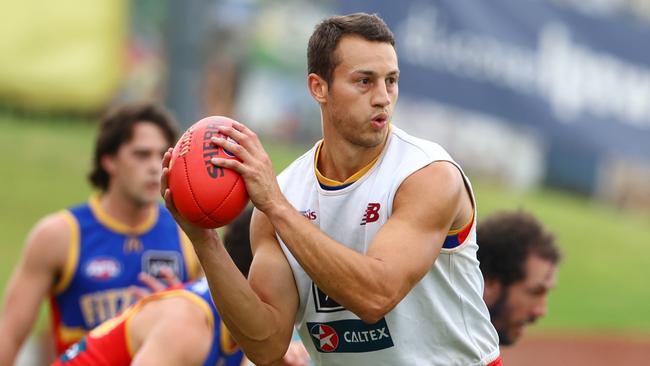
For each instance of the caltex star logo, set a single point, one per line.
(325, 336)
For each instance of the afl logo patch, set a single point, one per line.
(102, 269)
(325, 337)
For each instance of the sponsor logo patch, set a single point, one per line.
(324, 337)
(350, 336)
(324, 303)
(102, 268)
(74, 351)
(154, 260)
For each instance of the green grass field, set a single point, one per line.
(603, 279)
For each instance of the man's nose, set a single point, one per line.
(380, 97)
(540, 308)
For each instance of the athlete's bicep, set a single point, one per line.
(270, 275)
(425, 207)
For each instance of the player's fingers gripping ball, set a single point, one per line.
(204, 194)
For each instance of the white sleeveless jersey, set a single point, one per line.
(443, 319)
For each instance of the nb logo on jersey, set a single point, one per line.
(372, 213)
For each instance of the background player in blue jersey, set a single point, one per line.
(85, 258)
(172, 327)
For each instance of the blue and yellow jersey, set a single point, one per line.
(111, 342)
(104, 260)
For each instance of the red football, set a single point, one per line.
(206, 195)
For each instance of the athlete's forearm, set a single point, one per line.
(355, 280)
(253, 323)
(8, 347)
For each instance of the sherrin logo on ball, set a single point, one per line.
(205, 194)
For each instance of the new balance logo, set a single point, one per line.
(372, 213)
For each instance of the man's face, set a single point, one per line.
(523, 302)
(136, 168)
(363, 91)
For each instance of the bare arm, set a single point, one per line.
(42, 260)
(259, 313)
(171, 331)
(426, 206)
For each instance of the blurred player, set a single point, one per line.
(368, 241)
(86, 257)
(519, 261)
(173, 327)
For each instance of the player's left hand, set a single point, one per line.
(254, 165)
(195, 233)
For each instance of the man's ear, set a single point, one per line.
(492, 291)
(317, 87)
(108, 163)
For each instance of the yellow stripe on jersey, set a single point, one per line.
(133, 310)
(198, 300)
(72, 259)
(111, 223)
(70, 335)
(464, 227)
(228, 344)
(192, 264)
(353, 178)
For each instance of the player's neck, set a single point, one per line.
(339, 160)
(124, 210)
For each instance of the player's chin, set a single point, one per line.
(149, 195)
(517, 332)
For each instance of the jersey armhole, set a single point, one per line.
(72, 258)
(455, 239)
(227, 343)
(189, 257)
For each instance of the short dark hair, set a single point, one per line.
(237, 242)
(321, 58)
(116, 128)
(506, 239)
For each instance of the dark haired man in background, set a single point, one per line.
(85, 258)
(519, 261)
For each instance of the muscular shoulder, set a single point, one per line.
(435, 193)
(440, 179)
(51, 235)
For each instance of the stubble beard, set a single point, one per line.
(500, 314)
(356, 133)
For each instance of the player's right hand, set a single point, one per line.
(252, 163)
